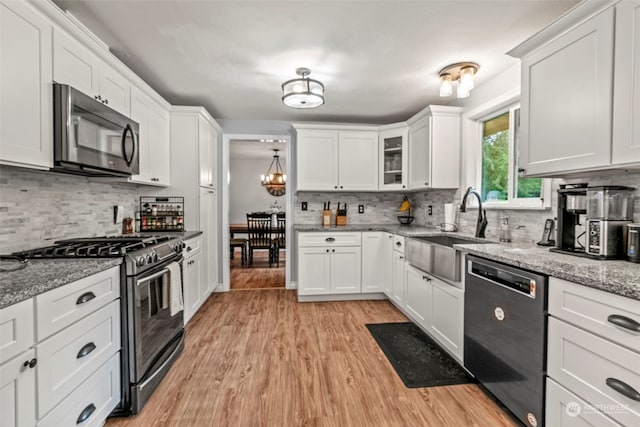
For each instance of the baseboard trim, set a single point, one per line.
(342, 297)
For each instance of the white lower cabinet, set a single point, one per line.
(92, 402)
(194, 287)
(73, 368)
(397, 278)
(376, 261)
(329, 263)
(447, 316)
(592, 352)
(18, 391)
(564, 408)
(418, 295)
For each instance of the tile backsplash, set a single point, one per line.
(38, 208)
(526, 225)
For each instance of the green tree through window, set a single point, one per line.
(499, 136)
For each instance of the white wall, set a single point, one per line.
(246, 194)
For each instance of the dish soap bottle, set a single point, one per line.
(505, 231)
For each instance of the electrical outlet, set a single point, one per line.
(360, 208)
(304, 206)
(430, 210)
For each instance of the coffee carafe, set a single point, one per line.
(572, 217)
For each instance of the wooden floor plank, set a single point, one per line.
(260, 358)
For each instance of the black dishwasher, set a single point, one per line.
(505, 330)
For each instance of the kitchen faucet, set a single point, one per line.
(481, 224)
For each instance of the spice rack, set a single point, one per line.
(161, 213)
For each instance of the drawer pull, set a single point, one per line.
(84, 351)
(86, 297)
(86, 413)
(330, 239)
(624, 322)
(624, 389)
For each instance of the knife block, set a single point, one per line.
(341, 219)
(326, 217)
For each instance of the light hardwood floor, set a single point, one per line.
(260, 358)
(259, 275)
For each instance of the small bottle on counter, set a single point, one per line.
(505, 231)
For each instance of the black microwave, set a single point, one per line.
(91, 138)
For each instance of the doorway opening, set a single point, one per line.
(256, 259)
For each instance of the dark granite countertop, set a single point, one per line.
(42, 275)
(618, 277)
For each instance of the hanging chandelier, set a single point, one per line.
(275, 180)
(303, 92)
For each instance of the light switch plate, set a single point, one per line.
(361, 209)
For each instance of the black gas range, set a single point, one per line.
(152, 321)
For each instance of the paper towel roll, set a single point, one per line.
(449, 217)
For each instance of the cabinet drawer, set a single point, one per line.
(590, 308)
(60, 307)
(61, 364)
(94, 399)
(398, 243)
(191, 246)
(16, 329)
(565, 409)
(583, 363)
(339, 238)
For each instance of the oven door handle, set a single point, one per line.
(151, 277)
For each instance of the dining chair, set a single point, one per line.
(259, 232)
(280, 240)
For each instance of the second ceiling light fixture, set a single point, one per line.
(464, 73)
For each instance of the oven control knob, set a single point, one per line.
(154, 257)
(148, 259)
(140, 261)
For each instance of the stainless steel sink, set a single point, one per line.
(436, 255)
(446, 240)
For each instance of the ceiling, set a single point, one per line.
(256, 149)
(379, 60)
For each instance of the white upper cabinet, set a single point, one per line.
(626, 86)
(358, 161)
(330, 159)
(566, 100)
(580, 93)
(76, 65)
(207, 153)
(393, 159)
(434, 148)
(25, 87)
(317, 160)
(154, 140)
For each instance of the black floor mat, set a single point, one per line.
(417, 359)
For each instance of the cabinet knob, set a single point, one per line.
(99, 98)
(341, 186)
(333, 250)
(30, 363)
(327, 250)
(398, 244)
(335, 186)
(426, 184)
(401, 257)
(428, 279)
(522, 170)
(95, 96)
(404, 186)
(106, 101)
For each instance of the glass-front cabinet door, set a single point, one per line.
(393, 158)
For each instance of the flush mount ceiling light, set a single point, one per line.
(303, 92)
(463, 73)
(275, 180)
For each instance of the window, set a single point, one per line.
(500, 182)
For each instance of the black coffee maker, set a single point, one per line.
(572, 203)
